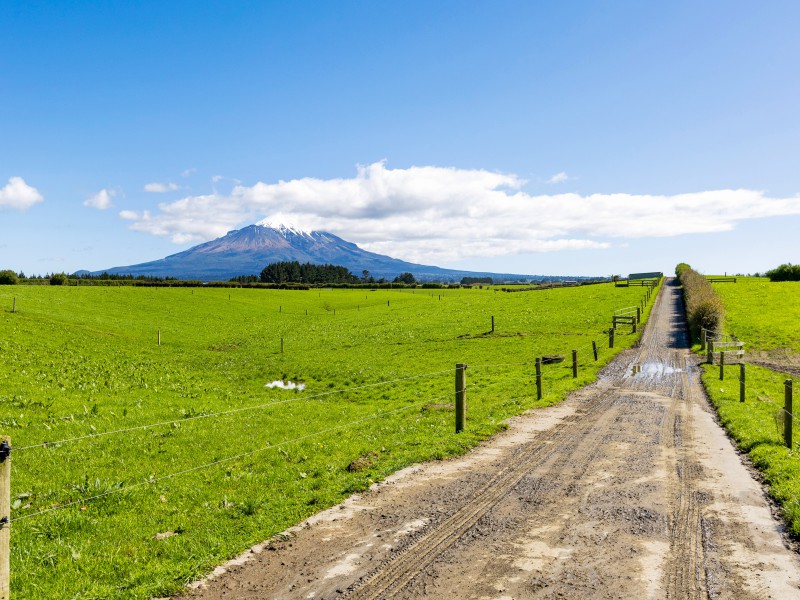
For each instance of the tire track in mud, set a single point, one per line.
(397, 572)
(580, 439)
(618, 493)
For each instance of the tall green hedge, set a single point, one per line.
(704, 309)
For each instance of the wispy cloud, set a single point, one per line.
(187, 172)
(559, 178)
(18, 195)
(160, 188)
(101, 200)
(438, 213)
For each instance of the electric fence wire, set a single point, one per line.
(207, 465)
(224, 412)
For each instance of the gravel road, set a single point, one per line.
(628, 489)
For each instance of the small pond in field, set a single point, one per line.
(286, 385)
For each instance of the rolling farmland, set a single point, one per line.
(138, 466)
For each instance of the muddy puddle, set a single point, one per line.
(652, 369)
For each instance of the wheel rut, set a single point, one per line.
(628, 489)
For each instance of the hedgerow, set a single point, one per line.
(704, 309)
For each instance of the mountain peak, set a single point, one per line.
(285, 229)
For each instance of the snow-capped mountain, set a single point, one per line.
(248, 250)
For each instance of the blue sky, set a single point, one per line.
(555, 138)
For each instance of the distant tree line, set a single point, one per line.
(294, 272)
(787, 272)
(476, 280)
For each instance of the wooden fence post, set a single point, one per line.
(538, 378)
(638, 315)
(611, 338)
(787, 413)
(710, 355)
(741, 382)
(5, 517)
(702, 340)
(574, 363)
(492, 323)
(461, 396)
(594, 349)
(722, 366)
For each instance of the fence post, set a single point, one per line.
(722, 366)
(638, 314)
(702, 340)
(710, 356)
(538, 378)
(159, 337)
(787, 413)
(461, 396)
(611, 338)
(492, 323)
(741, 382)
(574, 363)
(594, 349)
(5, 517)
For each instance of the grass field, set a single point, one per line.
(142, 511)
(766, 316)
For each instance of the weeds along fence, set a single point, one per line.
(305, 437)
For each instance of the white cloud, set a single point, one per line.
(101, 200)
(18, 195)
(559, 178)
(160, 188)
(433, 214)
(129, 215)
(187, 172)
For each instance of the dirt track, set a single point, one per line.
(628, 489)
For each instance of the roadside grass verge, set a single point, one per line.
(754, 427)
(235, 462)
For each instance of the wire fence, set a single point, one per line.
(583, 352)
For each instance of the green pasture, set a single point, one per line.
(757, 427)
(212, 461)
(765, 315)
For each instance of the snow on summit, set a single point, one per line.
(284, 228)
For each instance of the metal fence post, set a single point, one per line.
(461, 396)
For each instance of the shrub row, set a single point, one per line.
(787, 272)
(704, 309)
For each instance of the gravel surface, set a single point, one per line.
(628, 489)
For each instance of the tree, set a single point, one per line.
(787, 272)
(8, 277)
(58, 279)
(407, 278)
